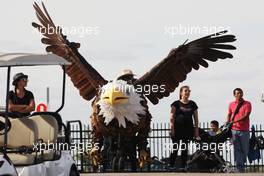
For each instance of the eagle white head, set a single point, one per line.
(119, 100)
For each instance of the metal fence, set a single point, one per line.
(159, 140)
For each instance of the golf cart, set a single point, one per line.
(37, 144)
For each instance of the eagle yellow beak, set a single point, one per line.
(114, 97)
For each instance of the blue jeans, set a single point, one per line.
(241, 147)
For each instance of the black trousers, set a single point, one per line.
(177, 143)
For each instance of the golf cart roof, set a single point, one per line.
(29, 59)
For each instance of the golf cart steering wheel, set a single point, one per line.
(2, 127)
(2, 123)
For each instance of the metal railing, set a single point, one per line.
(159, 140)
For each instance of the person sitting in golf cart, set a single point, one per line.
(21, 101)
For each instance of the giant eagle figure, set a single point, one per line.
(124, 111)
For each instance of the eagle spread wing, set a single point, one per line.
(174, 68)
(83, 75)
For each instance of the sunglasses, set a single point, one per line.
(24, 79)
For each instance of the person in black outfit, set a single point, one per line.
(21, 101)
(184, 125)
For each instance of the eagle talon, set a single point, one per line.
(143, 158)
(95, 156)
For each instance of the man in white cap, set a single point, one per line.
(127, 75)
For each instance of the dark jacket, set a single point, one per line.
(254, 151)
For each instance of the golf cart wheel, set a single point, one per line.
(115, 164)
(73, 171)
(121, 164)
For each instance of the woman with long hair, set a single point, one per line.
(184, 125)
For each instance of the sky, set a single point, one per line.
(121, 34)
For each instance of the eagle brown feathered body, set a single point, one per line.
(140, 131)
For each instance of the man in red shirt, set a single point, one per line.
(240, 128)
